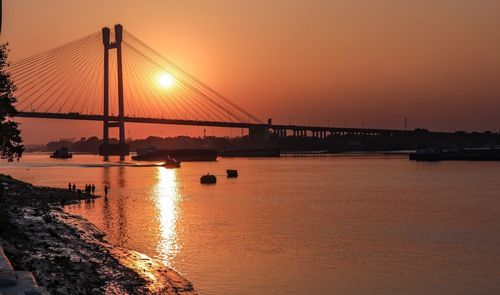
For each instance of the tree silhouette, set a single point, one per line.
(10, 135)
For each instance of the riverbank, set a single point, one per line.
(67, 254)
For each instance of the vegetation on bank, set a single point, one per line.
(10, 135)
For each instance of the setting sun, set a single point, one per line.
(166, 80)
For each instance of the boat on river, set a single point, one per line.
(253, 153)
(182, 155)
(171, 163)
(464, 154)
(208, 179)
(62, 153)
(231, 173)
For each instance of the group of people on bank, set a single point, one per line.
(89, 189)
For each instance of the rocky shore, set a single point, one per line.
(67, 254)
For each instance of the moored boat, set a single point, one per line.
(208, 179)
(264, 152)
(62, 153)
(232, 173)
(182, 155)
(464, 154)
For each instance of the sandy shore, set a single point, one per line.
(67, 254)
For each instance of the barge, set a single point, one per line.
(266, 152)
(464, 154)
(62, 153)
(182, 155)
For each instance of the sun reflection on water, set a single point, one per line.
(168, 197)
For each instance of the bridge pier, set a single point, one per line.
(259, 134)
(108, 149)
(283, 133)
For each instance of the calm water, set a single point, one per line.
(308, 225)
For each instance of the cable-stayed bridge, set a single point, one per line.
(92, 78)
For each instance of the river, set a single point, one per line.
(351, 224)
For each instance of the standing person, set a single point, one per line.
(69, 187)
(74, 187)
(93, 189)
(105, 190)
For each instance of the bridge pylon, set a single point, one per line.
(107, 148)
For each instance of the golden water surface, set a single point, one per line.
(299, 225)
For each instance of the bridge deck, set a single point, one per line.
(85, 117)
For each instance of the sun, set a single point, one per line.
(166, 80)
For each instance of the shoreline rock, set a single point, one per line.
(69, 255)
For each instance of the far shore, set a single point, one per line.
(69, 255)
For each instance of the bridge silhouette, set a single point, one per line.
(91, 78)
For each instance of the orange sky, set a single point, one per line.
(339, 62)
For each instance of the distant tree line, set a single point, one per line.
(419, 138)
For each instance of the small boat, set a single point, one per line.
(62, 153)
(232, 173)
(171, 163)
(208, 179)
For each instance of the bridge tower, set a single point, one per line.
(107, 149)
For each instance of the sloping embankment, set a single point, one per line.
(67, 254)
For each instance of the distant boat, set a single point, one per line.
(208, 179)
(62, 153)
(264, 152)
(232, 173)
(464, 154)
(171, 163)
(183, 155)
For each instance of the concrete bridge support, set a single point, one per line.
(280, 133)
(259, 134)
(107, 149)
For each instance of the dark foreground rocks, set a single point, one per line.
(67, 254)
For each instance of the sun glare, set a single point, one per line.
(166, 80)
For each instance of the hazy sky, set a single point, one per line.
(339, 62)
